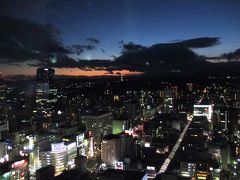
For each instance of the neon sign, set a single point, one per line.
(19, 164)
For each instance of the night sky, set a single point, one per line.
(107, 25)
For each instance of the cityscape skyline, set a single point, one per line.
(119, 89)
(119, 128)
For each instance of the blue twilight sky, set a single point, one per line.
(146, 22)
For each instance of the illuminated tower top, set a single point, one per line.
(45, 74)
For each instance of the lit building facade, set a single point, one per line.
(117, 147)
(168, 99)
(61, 156)
(187, 169)
(17, 169)
(110, 152)
(45, 74)
(81, 145)
(4, 126)
(100, 125)
(45, 96)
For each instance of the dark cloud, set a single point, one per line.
(89, 45)
(202, 42)
(93, 40)
(157, 57)
(132, 48)
(79, 49)
(143, 58)
(96, 63)
(138, 57)
(22, 40)
(64, 61)
(175, 40)
(113, 56)
(103, 51)
(121, 42)
(232, 56)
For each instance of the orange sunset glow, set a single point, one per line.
(79, 72)
(6, 70)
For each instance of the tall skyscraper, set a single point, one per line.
(45, 74)
(42, 109)
(168, 100)
(3, 113)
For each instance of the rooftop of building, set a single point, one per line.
(122, 174)
(96, 113)
(112, 136)
(74, 174)
(45, 168)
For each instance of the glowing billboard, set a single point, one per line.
(58, 147)
(203, 110)
(19, 164)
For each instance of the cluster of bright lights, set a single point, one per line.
(19, 164)
(203, 110)
(91, 147)
(175, 148)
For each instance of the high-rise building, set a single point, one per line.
(130, 109)
(110, 152)
(61, 156)
(99, 124)
(45, 74)
(234, 117)
(43, 93)
(4, 128)
(117, 147)
(168, 99)
(81, 147)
